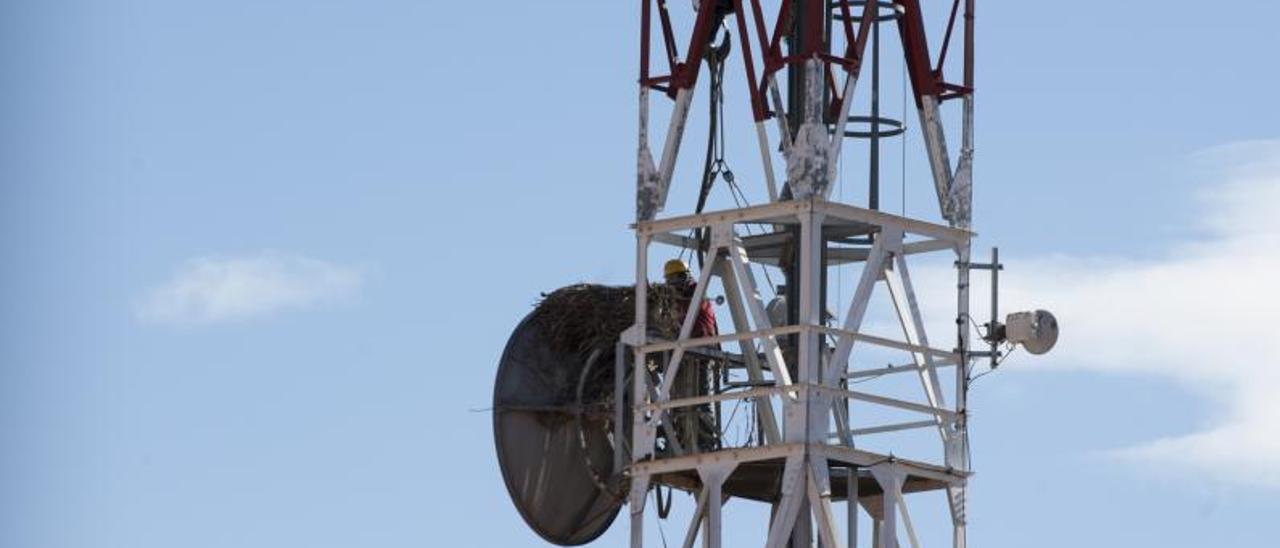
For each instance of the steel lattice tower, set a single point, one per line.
(800, 370)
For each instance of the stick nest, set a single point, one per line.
(582, 317)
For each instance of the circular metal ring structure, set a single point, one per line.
(896, 127)
(553, 436)
(594, 399)
(895, 11)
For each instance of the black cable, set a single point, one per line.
(664, 510)
(715, 58)
(714, 160)
(975, 378)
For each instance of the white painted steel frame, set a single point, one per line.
(816, 396)
(811, 400)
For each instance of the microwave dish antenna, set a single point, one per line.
(554, 436)
(1036, 331)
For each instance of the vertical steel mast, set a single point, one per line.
(801, 375)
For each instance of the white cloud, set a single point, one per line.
(1206, 315)
(209, 289)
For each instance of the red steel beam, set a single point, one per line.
(644, 42)
(927, 79)
(915, 47)
(757, 98)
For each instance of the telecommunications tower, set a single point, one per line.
(811, 380)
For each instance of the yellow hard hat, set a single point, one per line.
(674, 266)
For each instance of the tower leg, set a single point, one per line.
(713, 477)
(691, 534)
(820, 499)
(890, 480)
(636, 500)
(788, 507)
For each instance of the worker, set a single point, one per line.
(676, 273)
(695, 426)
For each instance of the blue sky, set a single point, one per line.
(400, 180)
